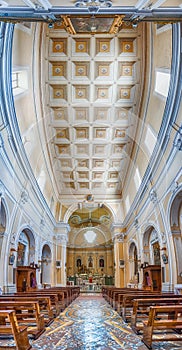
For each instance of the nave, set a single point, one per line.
(90, 323)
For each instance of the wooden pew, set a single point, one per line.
(44, 304)
(56, 303)
(163, 318)
(10, 327)
(70, 292)
(27, 312)
(141, 309)
(113, 292)
(127, 302)
(67, 295)
(117, 295)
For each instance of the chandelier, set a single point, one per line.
(93, 6)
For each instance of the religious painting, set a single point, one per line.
(156, 252)
(21, 254)
(90, 261)
(11, 259)
(78, 263)
(101, 262)
(92, 24)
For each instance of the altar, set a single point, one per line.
(90, 286)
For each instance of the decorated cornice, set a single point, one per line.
(50, 14)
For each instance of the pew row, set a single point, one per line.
(56, 298)
(10, 327)
(164, 323)
(27, 313)
(44, 304)
(141, 309)
(126, 302)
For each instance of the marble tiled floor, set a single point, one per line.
(89, 323)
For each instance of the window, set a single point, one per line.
(162, 80)
(14, 80)
(19, 81)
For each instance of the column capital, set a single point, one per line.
(117, 227)
(119, 238)
(62, 238)
(61, 233)
(62, 228)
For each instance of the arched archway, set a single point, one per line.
(133, 260)
(46, 265)
(151, 247)
(90, 243)
(25, 248)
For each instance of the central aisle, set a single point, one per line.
(90, 323)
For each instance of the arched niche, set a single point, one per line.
(46, 263)
(25, 248)
(134, 263)
(151, 247)
(176, 229)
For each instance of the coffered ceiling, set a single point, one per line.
(91, 100)
(92, 77)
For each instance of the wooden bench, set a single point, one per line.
(167, 319)
(127, 302)
(112, 295)
(10, 327)
(141, 309)
(56, 303)
(70, 292)
(27, 312)
(118, 296)
(44, 304)
(66, 293)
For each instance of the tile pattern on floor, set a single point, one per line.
(90, 323)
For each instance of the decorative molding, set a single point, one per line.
(178, 140)
(136, 223)
(24, 197)
(174, 186)
(153, 195)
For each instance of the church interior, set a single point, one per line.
(90, 159)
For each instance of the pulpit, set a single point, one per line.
(152, 278)
(25, 278)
